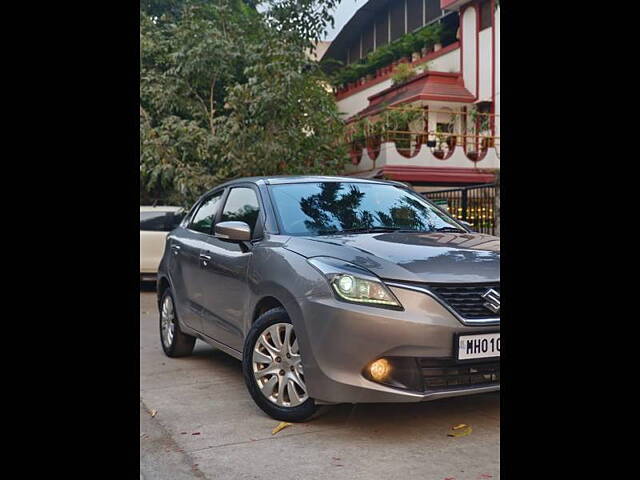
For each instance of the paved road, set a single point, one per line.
(207, 426)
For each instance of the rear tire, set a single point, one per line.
(173, 341)
(271, 346)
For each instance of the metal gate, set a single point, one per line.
(474, 204)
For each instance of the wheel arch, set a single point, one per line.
(273, 295)
(162, 285)
(266, 303)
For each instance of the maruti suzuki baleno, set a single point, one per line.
(334, 290)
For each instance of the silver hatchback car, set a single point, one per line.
(334, 290)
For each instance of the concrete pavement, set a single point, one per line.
(207, 426)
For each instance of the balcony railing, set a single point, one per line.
(413, 128)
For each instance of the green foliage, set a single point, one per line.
(400, 119)
(281, 113)
(160, 8)
(305, 21)
(392, 125)
(403, 73)
(383, 56)
(482, 120)
(226, 91)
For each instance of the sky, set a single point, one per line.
(342, 14)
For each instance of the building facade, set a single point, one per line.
(430, 118)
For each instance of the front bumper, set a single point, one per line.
(338, 340)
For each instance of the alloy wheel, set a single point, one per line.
(277, 366)
(167, 324)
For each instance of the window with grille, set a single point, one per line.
(433, 10)
(414, 14)
(397, 20)
(382, 29)
(354, 51)
(367, 40)
(485, 14)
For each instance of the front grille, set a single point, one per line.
(466, 300)
(445, 374)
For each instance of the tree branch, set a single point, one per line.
(212, 110)
(199, 98)
(144, 113)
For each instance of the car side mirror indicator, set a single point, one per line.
(234, 231)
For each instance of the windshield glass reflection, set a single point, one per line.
(342, 207)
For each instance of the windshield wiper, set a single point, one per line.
(389, 229)
(450, 229)
(361, 230)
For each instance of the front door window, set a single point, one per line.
(242, 206)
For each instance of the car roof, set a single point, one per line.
(284, 179)
(317, 178)
(160, 208)
(289, 179)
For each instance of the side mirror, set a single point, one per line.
(234, 231)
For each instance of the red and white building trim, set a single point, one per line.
(461, 75)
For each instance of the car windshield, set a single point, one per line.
(326, 208)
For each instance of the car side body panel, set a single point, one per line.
(225, 290)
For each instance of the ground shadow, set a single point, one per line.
(399, 421)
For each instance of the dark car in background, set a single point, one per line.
(333, 290)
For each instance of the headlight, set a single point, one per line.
(361, 290)
(355, 284)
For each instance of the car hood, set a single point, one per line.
(412, 257)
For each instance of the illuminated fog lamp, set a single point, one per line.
(380, 369)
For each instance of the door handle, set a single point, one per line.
(205, 259)
(175, 249)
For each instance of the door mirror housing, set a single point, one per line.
(234, 231)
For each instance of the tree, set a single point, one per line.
(227, 90)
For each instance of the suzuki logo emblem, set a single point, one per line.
(492, 301)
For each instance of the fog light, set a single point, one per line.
(380, 369)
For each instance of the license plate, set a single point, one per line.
(478, 346)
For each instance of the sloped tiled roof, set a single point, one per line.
(442, 86)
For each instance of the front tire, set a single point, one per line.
(272, 368)
(174, 342)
